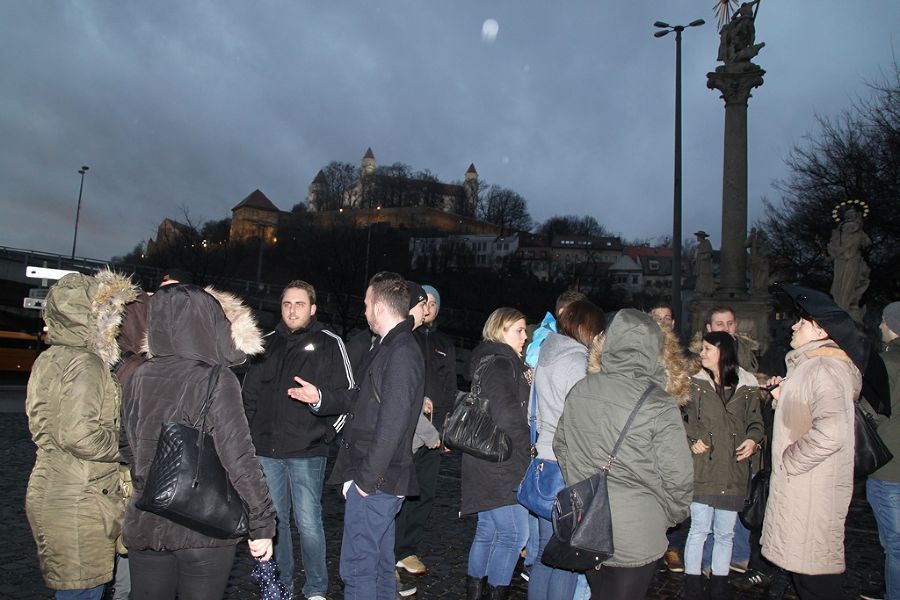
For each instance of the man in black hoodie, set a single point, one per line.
(304, 377)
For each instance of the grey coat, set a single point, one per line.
(562, 364)
(651, 482)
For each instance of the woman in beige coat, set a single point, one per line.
(812, 455)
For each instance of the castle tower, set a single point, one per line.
(316, 192)
(368, 164)
(471, 185)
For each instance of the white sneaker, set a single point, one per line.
(316, 598)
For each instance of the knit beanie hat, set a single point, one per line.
(891, 316)
(437, 297)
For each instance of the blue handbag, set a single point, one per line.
(543, 478)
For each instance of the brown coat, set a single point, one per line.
(812, 461)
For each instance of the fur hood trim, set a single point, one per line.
(245, 333)
(113, 293)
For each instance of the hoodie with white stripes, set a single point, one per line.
(281, 426)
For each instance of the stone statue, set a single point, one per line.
(737, 37)
(759, 262)
(851, 273)
(704, 285)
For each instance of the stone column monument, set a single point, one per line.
(735, 79)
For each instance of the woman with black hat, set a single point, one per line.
(812, 446)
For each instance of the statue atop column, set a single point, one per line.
(759, 262)
(737, 38)
(848, 240)
(704, 284)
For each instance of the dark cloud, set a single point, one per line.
(193, 105)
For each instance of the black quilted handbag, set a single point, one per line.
(754, 510)
(186, 482)
(582, 522)
(470, 428)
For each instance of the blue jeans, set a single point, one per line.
(532, 546)
(740, 550)
(582, 589)
(547, 583)
(94, 593)
(884, 497)
(367, 546)
(706, 519)
(298, 482)
(499, 537)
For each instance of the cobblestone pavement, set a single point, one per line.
(445, 548)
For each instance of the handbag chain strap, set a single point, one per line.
(615, 450)
(204, 409)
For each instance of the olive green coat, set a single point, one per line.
(74, 502)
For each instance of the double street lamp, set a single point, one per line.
(82, 170)
(665, 29)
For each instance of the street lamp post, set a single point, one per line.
(82, 170)
(665, 29)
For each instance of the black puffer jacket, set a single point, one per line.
(440, 370)
(188, 333)
(487, 485)
(281, 426)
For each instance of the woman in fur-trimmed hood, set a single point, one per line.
(651, 481)
(189, 331)
(74, 502)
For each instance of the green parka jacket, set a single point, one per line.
(651, 482)
(74, 502)
(720, 480)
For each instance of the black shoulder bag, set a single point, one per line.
(582, 523)
(470, 428)
(186, 482)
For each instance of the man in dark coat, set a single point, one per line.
(304, 377)
(375, 463)
(440, 393)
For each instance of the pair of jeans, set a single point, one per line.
(297, 483)
(884, 498)
(499, 537)
(706, 519)
(547, 583)
(94, 593)
(192, 573)
(533, 545)
(367, 546)
(740, 549)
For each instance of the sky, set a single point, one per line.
(184, 108)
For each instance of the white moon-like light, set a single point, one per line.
(489, 30)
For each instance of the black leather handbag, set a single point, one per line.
(470, 428)
(870, 451)
(754, 510)
(186, 482)
(582, 522)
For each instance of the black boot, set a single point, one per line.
(498, 592)
(475, 587)
(719, 589)
(694, 588)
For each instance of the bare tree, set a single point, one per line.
(572, 225)
(506, 209)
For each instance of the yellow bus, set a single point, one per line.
(18, 351)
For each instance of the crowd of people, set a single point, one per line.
(123, 363)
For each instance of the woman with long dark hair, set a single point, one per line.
(562, 364)
(724, 427)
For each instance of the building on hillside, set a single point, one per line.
(626, 274)
(169, 234)
(376, 188)
(255, 217)
(462, 252)
(534, 256)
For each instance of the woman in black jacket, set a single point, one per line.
(489, 488)
(188, 333)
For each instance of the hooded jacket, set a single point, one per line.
(720, 480)
(889, 428)
(282, 427)
(440, 370)
(485, 484)
(562, 364)
(812, 461)
(74, 501)
(188, 333)
(651, 481)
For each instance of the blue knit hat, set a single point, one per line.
(429, 289)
